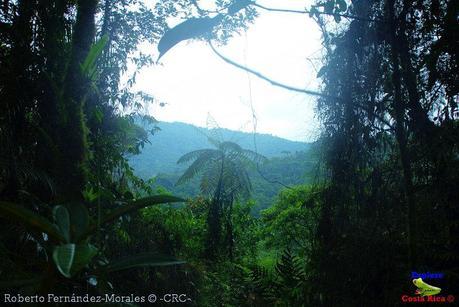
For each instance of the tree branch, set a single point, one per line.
(316, 12)
(261, 76)
(291, 88)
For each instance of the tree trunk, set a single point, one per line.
(214, 217)
(400, 133)
(72, 174)
(420, 121)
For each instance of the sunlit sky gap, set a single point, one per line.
(194, 82)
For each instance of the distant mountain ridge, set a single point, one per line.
(176, 138)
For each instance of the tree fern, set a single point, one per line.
(224, 178)
(228, 160)
(263, 286)
(290, 270)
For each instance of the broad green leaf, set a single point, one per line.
(88, 65)
(30, 219)
(141, 260)
(62, 219)
(90, 195)
(71, 258)
(63, 256)
(79, 220)
(83, 256)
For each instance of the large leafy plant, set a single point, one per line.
(64, 237)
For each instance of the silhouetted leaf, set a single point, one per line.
(62, 219)
(63, 258)
(88, 66)
(237, 6)
(134, 206)
(71, 258)
(191, 28)
(79, 220)
(141, 260)
(321, 71)
(30, 219)
(342, 5)
(329, 6)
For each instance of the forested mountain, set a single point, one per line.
(162, 152)
(290, 163)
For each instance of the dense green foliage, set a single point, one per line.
(381, 202)
(391, 127)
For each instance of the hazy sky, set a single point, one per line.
(194, 82)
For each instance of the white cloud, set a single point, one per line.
(194, 82)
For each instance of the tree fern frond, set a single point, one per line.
(198, 165)
(237, 178)
(209, 179)
(262, 282)
(289, 269)
(230, 147)
(254, 156)
(214, 141)
(193, 155)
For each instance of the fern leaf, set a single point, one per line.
(193, 155)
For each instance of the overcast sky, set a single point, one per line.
(194, 82)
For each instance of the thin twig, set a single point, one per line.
(314, 12)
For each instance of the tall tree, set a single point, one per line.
(73, 145)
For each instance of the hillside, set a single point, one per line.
(290, 163)
(175, 139)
